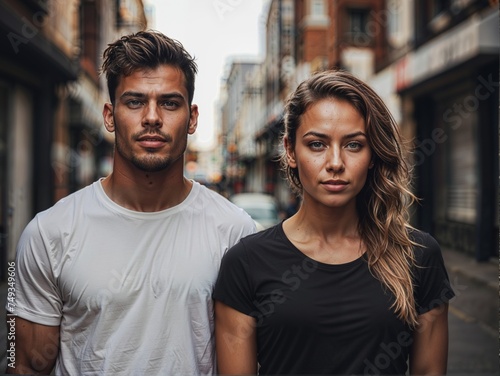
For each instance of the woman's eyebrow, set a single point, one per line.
(354, 134)
(322, 135)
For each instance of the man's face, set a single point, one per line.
(151, 118)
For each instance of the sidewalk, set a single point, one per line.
(476, 286)
(485, 273)
(473, 315)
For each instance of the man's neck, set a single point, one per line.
(147, 191)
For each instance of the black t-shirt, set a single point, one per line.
(316, 318)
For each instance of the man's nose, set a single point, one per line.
(152, 116)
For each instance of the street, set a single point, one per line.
(473, 344)
(473, 316)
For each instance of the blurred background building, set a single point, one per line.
(436, 65)
(51, 96)
(434, 62)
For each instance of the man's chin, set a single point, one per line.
(151, 165)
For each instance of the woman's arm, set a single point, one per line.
(235, 341)
(429, 353)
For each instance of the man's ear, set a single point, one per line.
(107, 114)
(193, 119)
(290, 152)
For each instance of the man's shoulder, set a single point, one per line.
(220, 210)
(80, 198)
(216, 200)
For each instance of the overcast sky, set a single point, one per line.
(213, 31)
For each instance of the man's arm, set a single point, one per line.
(235, 341)
(36, 347)
(429, 353)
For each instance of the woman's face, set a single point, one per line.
(331, 153)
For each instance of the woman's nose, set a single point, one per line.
(335, 161)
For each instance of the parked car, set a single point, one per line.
(263, 208)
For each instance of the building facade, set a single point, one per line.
(51, 98)
(448, 85)
(435, 64)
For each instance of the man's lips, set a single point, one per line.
(151, 141)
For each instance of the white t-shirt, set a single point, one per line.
(131, 291)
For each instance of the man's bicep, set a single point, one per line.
(35, 347)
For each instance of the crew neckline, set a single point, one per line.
(322, 265)
(106, 200)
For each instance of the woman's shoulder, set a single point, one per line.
(265, 240)
(264, 237)
(426, 249)
(423, 239)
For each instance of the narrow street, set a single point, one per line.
(473, 317)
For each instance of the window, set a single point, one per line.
(439, 16)
(317, 8)
(395, 11)
(439, 6)
(90, 37)
(358, 18)
(357, 29)
(287, 10)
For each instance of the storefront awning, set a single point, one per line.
(474, 37)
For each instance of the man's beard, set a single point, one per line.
(151, 163)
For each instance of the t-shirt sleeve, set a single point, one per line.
(37, 297)
(233, 286)
(432, 285)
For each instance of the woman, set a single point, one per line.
(345, 286)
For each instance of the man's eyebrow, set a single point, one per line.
(172, 96)
(132, 94)
(135, 94)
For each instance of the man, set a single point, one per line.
(117, 278)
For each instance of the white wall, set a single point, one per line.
(19, 162)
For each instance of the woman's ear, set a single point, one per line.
(290, 152)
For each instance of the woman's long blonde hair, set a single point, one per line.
(383, 203)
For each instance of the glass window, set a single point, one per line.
(395, 9)
(439, 6)
(357, 32)
(317, 8)
(358, 19)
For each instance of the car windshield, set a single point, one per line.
(261, 213)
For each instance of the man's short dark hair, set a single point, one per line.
(146, 50)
